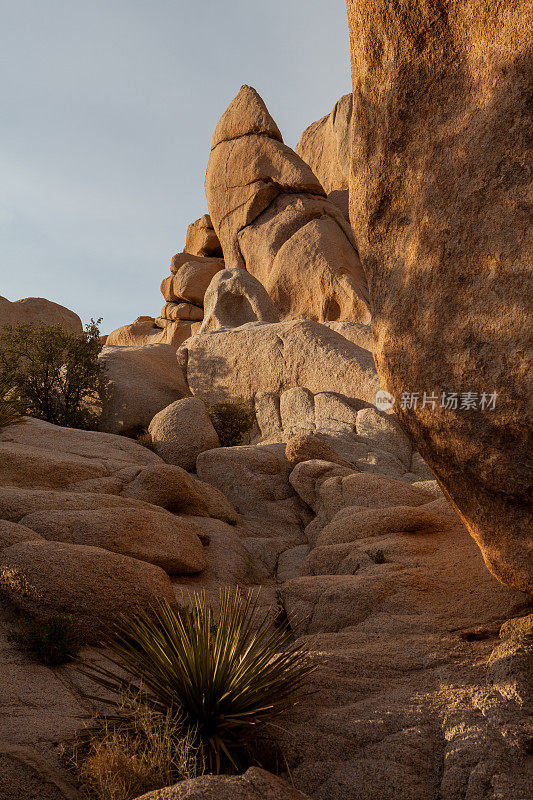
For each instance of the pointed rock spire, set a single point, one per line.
(246, 114)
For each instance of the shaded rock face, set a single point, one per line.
(38, 311)
(272, 217)
(142, 381)
(438, 200)
(255, 784)
(233, 298)
(325, 146)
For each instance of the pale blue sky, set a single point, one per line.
(108, 109)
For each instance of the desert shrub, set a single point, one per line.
(136, 751)
(231, 420)
(11, 410)
(377, 556)
(53, 642)
(222, 680)
(54, 375)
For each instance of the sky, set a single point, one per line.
(108, 108)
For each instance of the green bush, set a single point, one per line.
(378, 556)
(231, 420)
(52, 643)
(221, 680)
(10, 409)
(54, 375)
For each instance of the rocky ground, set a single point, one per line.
(420, 691)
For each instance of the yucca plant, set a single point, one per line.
(219, 679)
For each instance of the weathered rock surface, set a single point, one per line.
(255, 784)
(438, 200)
(169, 542)
(174, 312)
(38, 311)
(201, 238)
(181, 431)
(233, 298)
(255, 479)
(171, 487)
(145, 331)
(278, 357)
(44, 578)
(273, 219)
(325, 146)
(38, 453)
(142, 381)
(308, 447)
(11, 533)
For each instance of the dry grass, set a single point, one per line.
(135, 752)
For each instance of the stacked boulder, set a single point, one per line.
(183, 290)
(273, 219)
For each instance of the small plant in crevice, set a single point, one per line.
(222, 680)
(377, 556)
(145, 439)
(231, 420)
(52, 642)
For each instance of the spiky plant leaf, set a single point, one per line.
(221, 679)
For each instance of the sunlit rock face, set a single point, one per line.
(438, 205)
(272, 217)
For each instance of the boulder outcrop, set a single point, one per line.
(94, 586)
(201, 238)
(142, 381)
(273, 219)
(278, 357)
(234, 298)
(181, 431)
(146, 534)
(438, 188)
(255, 784)
(147, 330)
(38, 311)
(325, 146)
(191, 275)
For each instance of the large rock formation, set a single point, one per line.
(181, 431)
(38, 311)
(272, 218)
(233, 298)
(325, 146)
(235, 363)
(141, 381)
(438, 202)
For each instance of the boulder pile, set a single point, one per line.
(273, 219)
